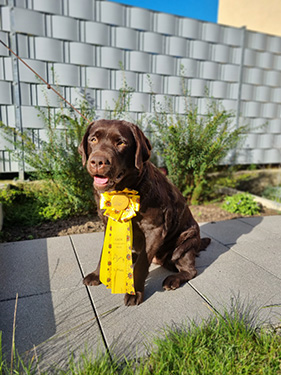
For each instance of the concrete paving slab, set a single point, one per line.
(229, 232)
(130, 330)
(55, 324)
(37, 266)
(270, 224)
(264, 253)
(131, 333)
(231, 276)
(210, 255)
(54, 312)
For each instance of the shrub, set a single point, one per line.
(273, 193)
(232, 180)
(29, 204)
(241, 203)
(68, 187)
(20, 206)
(192, 145)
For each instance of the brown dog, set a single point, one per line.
(164, 230)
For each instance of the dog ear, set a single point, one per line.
(143, 147)
(83, 147)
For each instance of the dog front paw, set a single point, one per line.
(92, 279)
(133, 299)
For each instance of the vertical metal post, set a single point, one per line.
(241, 75)
(240, 82)
(16, 87)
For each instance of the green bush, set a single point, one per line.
(55, 160)
(192, 145)
(29, 204)
(241, 203)
(232, 180)
(20, 206)
(273, 193)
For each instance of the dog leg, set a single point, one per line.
(93, 278)
(140, 274)
(146, 248)
(186, 268)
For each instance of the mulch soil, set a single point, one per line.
(92, 223)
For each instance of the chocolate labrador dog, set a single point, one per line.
(164, 231)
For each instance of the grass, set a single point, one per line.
(224, 344)
(218, 347)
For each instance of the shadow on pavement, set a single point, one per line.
(223, 234)
(24, 269)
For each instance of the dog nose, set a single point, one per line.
(99, 162)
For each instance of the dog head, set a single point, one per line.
(114, 151)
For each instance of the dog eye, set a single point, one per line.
(121, 143)
(94, 140)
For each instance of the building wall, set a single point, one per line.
(257, 15)
(84, 41)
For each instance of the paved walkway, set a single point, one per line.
(56, 314)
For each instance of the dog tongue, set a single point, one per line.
(100, 180)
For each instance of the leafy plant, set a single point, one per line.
(241, 203)
(122, 104)
(192, 145)
(29, 204)
(68, 187)
(20, 206)
(273, 193)
(233, 180)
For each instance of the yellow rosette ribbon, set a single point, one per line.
(116, 270)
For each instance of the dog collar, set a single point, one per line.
(116, 270)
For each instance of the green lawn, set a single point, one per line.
(224, 344)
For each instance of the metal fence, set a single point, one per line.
(79, 46)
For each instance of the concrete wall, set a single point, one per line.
(257, 15)
(84, 41)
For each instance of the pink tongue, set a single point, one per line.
(100, 180)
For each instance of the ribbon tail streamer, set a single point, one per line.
(116, 270)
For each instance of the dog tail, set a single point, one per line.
(204, 243)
